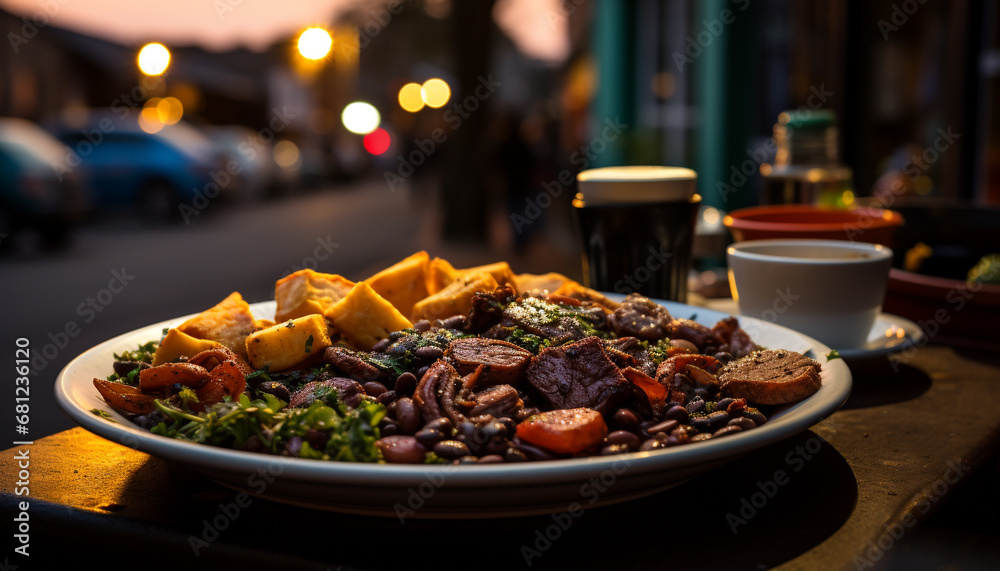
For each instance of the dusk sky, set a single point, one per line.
(538, 27)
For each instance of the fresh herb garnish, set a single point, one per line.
(103, 414)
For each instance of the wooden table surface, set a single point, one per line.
(841, 495)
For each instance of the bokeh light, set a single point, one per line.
(377, 142)
(170, 110)
(154, 59)
(315, 43)
(435, 92)
(149, 119)
(286, 155)
(360, 118)
(410, 97)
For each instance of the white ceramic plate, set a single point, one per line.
(890, 334)
(469, 491)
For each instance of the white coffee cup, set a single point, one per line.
(831, 290)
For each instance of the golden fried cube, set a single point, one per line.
(307, 292)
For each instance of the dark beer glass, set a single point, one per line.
(637, 235)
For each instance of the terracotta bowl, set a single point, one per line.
(872, 225)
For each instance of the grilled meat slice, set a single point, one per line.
(560, 323)
(771, 376)
(578, 374)
(348, 390)
(630, 352)
(640, 317)
(352, 364)
(503, 362)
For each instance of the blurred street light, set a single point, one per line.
(377, 142)
(435, 92)
(360, 118)
(315, 43)
(153, 59)
(410, 98)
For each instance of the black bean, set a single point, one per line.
(625, 438)
(682, 380)
(388, 427)
(442, 425)
(724, 357)
(743, 422)
(531, 451)
(374, 388)
(701, 424)
(678, 413)
(697, 404)
(428, 352)
(717, 420)
(626, 419)
(401, 450)
(726, 430)
(455, 322)
(612, 449)
(701, 437)
(451, 449)
(710, 349)
(514, 455)
(466, 431)
(421, 371)
(494, 429)
(382, 345)
(405, 384)
(652, 444)
(756, 416)
(422, 325)
(429, 437)
(408, 415)
(665, 426)
(491, 459)
(723, 404)
(494, 447)
(679, 435)
(387, 398)
(466, 460)
(701, 392)
(397, 335)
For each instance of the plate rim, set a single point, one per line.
(837, 384)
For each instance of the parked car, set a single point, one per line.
(258, 176)
(36, 192)
(152, 172)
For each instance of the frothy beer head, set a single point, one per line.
(635, 184)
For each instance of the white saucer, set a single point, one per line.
(890, 334)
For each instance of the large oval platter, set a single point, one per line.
(468, 491)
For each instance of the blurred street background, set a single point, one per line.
(155, 157)
(202, 148)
